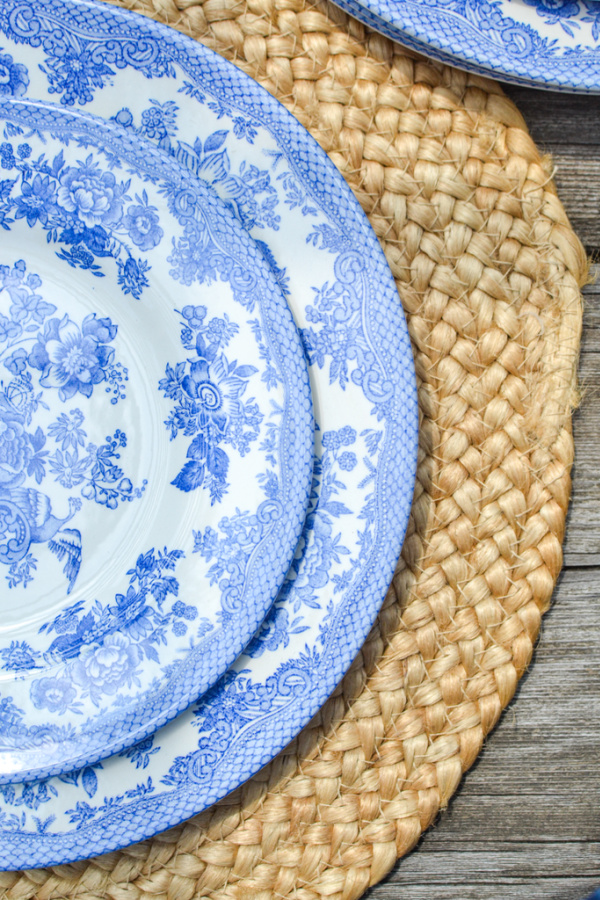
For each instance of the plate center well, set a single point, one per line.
(76, 430)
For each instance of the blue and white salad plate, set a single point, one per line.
(204, 114)
(154, 397)
(552, 44)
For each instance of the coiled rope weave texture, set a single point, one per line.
(488, 271)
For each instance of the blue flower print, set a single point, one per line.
(192, 256)
(141, 222)
(132, 276)
(80, 207)
(557, 12)
(158, 122)
(347, 461)
(67, 429)
(16, 363)
(30, 306)
(70, 358)
(194, 316)
(54, 694)
(593, 16)
(140, 753)
(208, 391)
(18, 657)
(73, 359)
(37, 201)
(15, 447)
(14, 79)
(321, 550)
(71, 471)
(332, 440)
(7, 157)
(90, 194)
(73, 73)
(274, 632)
(26, 304)
(101, 329)
(107, 668)
(8, 329)
(185, 611)
(123, 118)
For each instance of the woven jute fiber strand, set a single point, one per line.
(488, 271)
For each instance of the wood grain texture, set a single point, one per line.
(525, 824)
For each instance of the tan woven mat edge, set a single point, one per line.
(488, 270)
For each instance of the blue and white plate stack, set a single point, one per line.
(551, 44)
(208, 429)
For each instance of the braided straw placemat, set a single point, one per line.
(488, 271)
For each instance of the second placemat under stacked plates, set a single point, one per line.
(488, 271)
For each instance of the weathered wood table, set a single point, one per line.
(525, 824)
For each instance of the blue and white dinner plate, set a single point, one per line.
(210, 117)
(553, 44)
(154, 405)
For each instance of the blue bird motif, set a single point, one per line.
(26, 518)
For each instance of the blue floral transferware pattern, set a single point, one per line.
(239, 141)
(553, 44)
(113, 624)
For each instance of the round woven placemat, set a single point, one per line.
(488, 271)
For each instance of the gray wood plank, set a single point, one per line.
(582, 542)
(568, 127)
(558, 119)
(525, 823)
(521, 888)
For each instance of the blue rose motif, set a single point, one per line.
(554, 10)
(17, 361)
(142, 226)
(207, 392)
(102, 330)
(199, 386)
(14, 79)
(53, 694)
(90, 194)
(107, 668)
(72, 359)
(15, 448)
